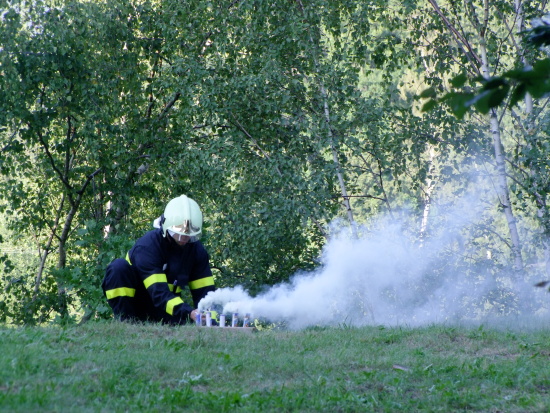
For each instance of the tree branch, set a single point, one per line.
(169, 105)
(54, 166)
(460, 39)
(243, 130)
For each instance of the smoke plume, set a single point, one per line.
(387, 277)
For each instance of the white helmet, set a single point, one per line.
(183, 216)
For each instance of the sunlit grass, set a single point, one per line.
(111, 366)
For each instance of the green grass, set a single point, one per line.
(117, 367)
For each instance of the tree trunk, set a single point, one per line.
(430, 186)
(47, 248)
(520, 27)
(504, 192)
(326, 108)
(337, 165)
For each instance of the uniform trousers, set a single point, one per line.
(127, 296)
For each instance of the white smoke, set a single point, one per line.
(381, 278)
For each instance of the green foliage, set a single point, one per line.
(493, 92)
(252, 108)
(512, 84)
(220, 102)
(509, 89)
(69, 84)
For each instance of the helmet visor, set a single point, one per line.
(186, 228)
(177, 236)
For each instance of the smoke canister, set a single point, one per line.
(208, 319)
(222, 320)
(235, 320)
(198, 318)
(246, 321)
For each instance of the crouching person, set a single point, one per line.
(147, 285)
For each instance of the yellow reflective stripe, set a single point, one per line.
(155, 278)
(120, 292)
(128, 258)
(203, 282)
(170, 304)
(178, 288)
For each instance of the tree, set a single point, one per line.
(91, 105)
(488, 40)
(508, 90)
(276, 117)
(70, 82)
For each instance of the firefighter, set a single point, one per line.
(146, 286)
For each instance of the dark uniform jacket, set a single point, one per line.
(166, 268)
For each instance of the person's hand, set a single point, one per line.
(193, 315)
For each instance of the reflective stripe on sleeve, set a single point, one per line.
(155, 278)
(170, 304)
(128, 258)
(203, 282)
(120, 292)
(178, 288)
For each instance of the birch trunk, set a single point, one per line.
(542, 211)
(430, 186)
(503, 191)
(339, 173)
(326, 108)
(520, 27)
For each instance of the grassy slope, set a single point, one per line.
(117, 367)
